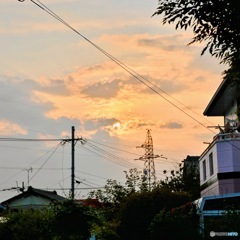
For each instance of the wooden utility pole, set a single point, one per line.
(73, 163)
(73, 141)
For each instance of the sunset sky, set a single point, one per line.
(51, 79)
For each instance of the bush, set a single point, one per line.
(27, 225)
(178, 223)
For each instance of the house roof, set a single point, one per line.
(222, 100)
(93, 202)
(50, 195)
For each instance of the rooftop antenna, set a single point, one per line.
(28, 170)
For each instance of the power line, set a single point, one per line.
(44, 162)
(31, 140)
(93, 175)
(47, 169)
(133, 73)
(108, 156)
(105, 145)
(25, 168)
(140, 78)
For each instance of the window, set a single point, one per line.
(204, 170)
(211, 171)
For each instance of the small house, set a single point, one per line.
(33, 198)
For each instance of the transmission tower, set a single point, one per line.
(148, 158)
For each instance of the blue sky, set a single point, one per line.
(52, 79)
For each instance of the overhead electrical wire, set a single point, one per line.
(137, 76)
(106, 155)
(45, 162)
(76, 188)
(108, 158)
(31, 139)
(90, 174)
(21, 169)
(103, 151)
(46, 169)
(133, 73)
(105, 145)
(60, 181)
(86, 182)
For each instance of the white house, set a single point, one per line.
(219, 164)
(32, 199)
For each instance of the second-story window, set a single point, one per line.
(204, 170)
(211, 170)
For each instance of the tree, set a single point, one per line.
(129, 209)
(27, 225)
(183, 180)
(112, 196)
(228, 222)
(178, 223)
(113, 192)
(73, 220)
(213, 21)
(138, 210)
(67, 220)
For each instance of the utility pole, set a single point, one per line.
(148, 158)
(73, 163)
(73, 141)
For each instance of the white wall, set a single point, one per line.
(205, 156)
(226, 159)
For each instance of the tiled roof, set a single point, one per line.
(50, 195)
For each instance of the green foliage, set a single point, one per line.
(125, 213)
(138, 210)
(106, 231)
(178, 223)
(130, 208)
(135, 181)
(232, 75)
(228, 222)
(183, 181)
(213, 21)
(27, 225)
(114, 193)
(73, 220)
(64, 221)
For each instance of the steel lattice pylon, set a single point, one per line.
(148, 158)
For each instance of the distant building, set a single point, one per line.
(190, 176)
(191, 164)
(32, 199)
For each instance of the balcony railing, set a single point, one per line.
(224, 136)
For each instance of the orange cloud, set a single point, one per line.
(8, 128)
